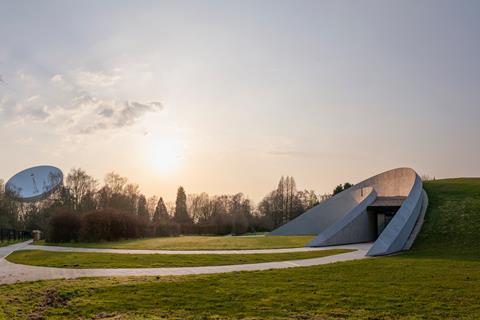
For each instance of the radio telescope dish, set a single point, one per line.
(35, 183)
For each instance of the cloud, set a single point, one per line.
(38, 113)
(132, 111)
(66, 106)
(4, 109)
(97, 79)
(33, 98)
(157, 104)
(106, 112)
(111, 114)
(29, 109)
(24, 76)
(56, 78)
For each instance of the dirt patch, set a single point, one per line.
(52, 299)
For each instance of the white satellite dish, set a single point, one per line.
(35, 183)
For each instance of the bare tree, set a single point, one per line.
(199, 207)
(132, 195)
(82, 188)
(152, 205)
(115, 182)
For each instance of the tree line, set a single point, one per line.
(117, 198)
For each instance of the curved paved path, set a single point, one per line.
(140, 251)
(12, 273)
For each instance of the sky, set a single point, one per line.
(227, 96)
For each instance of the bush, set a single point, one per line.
(64, 226)
(111, 225)
(166, 229)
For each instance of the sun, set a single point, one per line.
(163, 155)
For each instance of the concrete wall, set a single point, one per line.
(354, 227)
(419, 223)
(396, 182)
(322, 216)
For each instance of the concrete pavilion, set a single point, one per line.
(386, 209)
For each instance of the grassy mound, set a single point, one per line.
(452, 225)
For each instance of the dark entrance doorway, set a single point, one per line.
(382, 212)
(383, 219)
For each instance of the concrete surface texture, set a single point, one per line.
(13, 273)
(346, 218)
(320, 217)
(418, 225)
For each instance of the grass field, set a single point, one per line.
(115, 260)
(200, 243)
(438, 279)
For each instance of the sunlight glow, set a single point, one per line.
(163, 154)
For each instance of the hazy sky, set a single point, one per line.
(226, 96)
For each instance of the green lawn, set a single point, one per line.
(115, 260)
(380, 288)
(200, 243)
(438, 279)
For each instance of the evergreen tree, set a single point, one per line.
(142, 210)
(341, 187)
(338, 189)
(161, 212)
(279, 203)
(347, 185)
(181, 214)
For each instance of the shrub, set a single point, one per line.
(111, 225)
(64, 226)
(166, 229)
